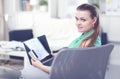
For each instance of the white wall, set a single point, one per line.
(10, 10)
(111, 25)
(18, 19)
(53, 8)
(67, 8)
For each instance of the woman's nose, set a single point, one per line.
(78, 22)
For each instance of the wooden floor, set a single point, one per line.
(13, 64)
(113, 72)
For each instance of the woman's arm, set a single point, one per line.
(38, 64)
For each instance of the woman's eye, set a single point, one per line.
(83, 20)
(80, 19)
(76, 18)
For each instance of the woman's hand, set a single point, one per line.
(36, 63)
(54, 54)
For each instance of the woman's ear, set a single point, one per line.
(94, 20)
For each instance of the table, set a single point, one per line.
(28, 72)
(7, 52)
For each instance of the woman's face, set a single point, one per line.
(84, 22)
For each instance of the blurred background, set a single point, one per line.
(24, 14)
(21, 14)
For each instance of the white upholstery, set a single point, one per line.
(59, 32)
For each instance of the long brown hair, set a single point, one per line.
(94, 13)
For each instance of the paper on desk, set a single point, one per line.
(35, 44)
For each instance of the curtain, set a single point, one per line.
(2, 27)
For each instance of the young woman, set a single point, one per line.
(87, 22)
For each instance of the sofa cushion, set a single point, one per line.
(20, 35)
(59, 32)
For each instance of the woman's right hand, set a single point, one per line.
(36, 63)
(39, 65)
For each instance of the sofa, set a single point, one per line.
(59, 32)
(20, 35)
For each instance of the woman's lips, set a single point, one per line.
(80, 27)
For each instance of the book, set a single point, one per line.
(38, 48)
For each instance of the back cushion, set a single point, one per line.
(59, 32)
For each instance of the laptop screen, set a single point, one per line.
(38, 47)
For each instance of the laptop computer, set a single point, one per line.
(38, 48)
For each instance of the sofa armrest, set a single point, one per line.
(20, 35)
(104, 38)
